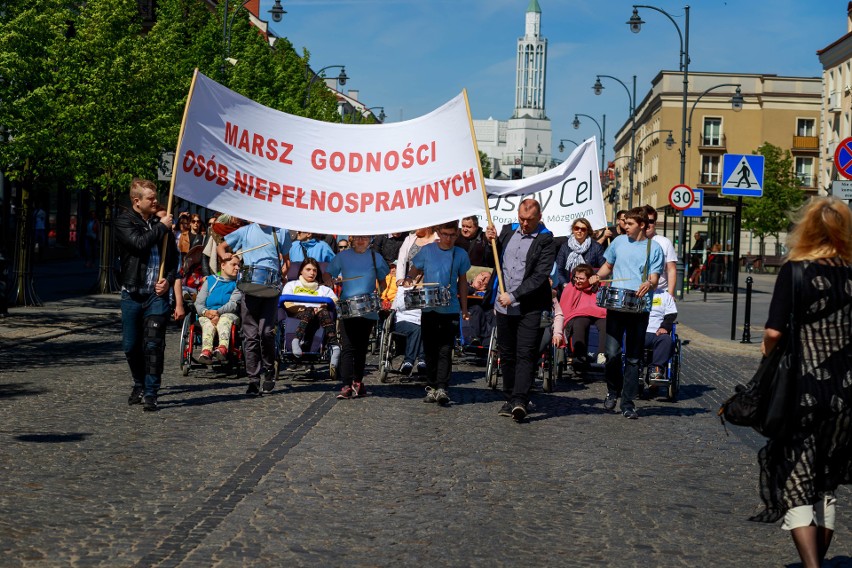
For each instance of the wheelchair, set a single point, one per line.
(671, 372)
(190, 346)
(315, 348)
(568, 368)
(545, 366)
(391, 345)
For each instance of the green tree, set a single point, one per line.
(486, 164)
(770, 214)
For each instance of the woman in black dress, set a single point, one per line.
(799, 474)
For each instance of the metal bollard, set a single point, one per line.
(747, 321)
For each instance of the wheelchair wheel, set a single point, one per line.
(674, 373)
(492, 367)
(547, 382)
(385, 339)
(186, 342)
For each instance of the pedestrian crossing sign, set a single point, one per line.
(742, 175)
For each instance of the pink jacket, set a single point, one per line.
(576, 303)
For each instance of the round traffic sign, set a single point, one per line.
(843, 158)
(681, 197)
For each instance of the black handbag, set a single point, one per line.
(767, 403)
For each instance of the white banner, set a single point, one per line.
(257, 163)
(569, 191)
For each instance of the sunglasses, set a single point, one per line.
(652, 221)
(581, 229)
(343, 247)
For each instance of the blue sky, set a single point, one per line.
(411, 56)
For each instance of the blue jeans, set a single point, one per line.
(413, 343)
(144, 351)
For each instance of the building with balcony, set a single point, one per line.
(836, 60)
(784, 111)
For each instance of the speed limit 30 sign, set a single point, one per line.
(681, 197)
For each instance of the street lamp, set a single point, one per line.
(227, 26)
(381, 115)
(669, 142)
(635, 23)
(277, 11)
(736, 106)
(562, 145)
(598, 89)
(342, 78)
(601, 129)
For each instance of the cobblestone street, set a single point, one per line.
(300, 478)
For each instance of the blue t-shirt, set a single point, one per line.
(443, 267)
(250, 236)
(350, 264)
(628, 260)
(318, 250)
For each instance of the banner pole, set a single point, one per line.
(484, 195)
(174, 169)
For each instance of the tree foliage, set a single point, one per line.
(486, 164)
(770, 214)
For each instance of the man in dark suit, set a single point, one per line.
(526, 253)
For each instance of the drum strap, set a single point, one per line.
(647, 260)
(379, 281)
(277, 253)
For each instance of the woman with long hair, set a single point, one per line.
(580, 248)
(799, 473)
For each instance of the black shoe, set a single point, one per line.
(421, 368)
(406, 368)
(149, 403)
(609, 402)
(135, 396)
(519, 411)
(253, 388)
(505, 410)
(268, 385)
(630, 413)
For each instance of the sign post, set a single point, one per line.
(742, 176)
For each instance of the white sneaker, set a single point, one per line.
(601, 359)
(335, 355)
(297, 347)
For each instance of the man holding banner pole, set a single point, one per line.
(526, 252)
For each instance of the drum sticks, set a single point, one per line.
(239, 252)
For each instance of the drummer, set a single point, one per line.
(635, 263)
(268, 248)
(361, 270)
(441, 264)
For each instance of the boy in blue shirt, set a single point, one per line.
(446, 265)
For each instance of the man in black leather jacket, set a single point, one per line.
(144, 238)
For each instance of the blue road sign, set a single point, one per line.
(742, 175)
(697, 207)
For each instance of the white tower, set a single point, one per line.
(528, 133)
(532, 63)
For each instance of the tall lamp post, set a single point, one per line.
(342, 78)
(562, 144)
(736, 105)
(227, 26)
(598, 89)
(601, 129)
(635, 23)
(669, 142)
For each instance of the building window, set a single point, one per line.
(805, 127)
(805, 171)
(710, 170)
(712, 132)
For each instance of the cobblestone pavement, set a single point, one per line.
(300, 478)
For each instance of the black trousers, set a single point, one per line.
(354, 341)
(518, 339)
(438, 333)
(580, 334)
(631, 327)
(259, 318)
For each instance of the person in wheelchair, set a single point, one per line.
(308, 284)
(658, 335)
(477, 329)
(407, 323)
(217, 305)
(580, 311)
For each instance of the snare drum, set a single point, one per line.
(260, 281)
(358, 306)
(427, 297)
(623, 300)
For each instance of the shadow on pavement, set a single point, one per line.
(12, 390)
(53, 437)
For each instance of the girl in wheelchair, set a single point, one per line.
(580, 311)
(217, 305)
(308, 284)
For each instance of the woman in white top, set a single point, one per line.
(308, 284)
